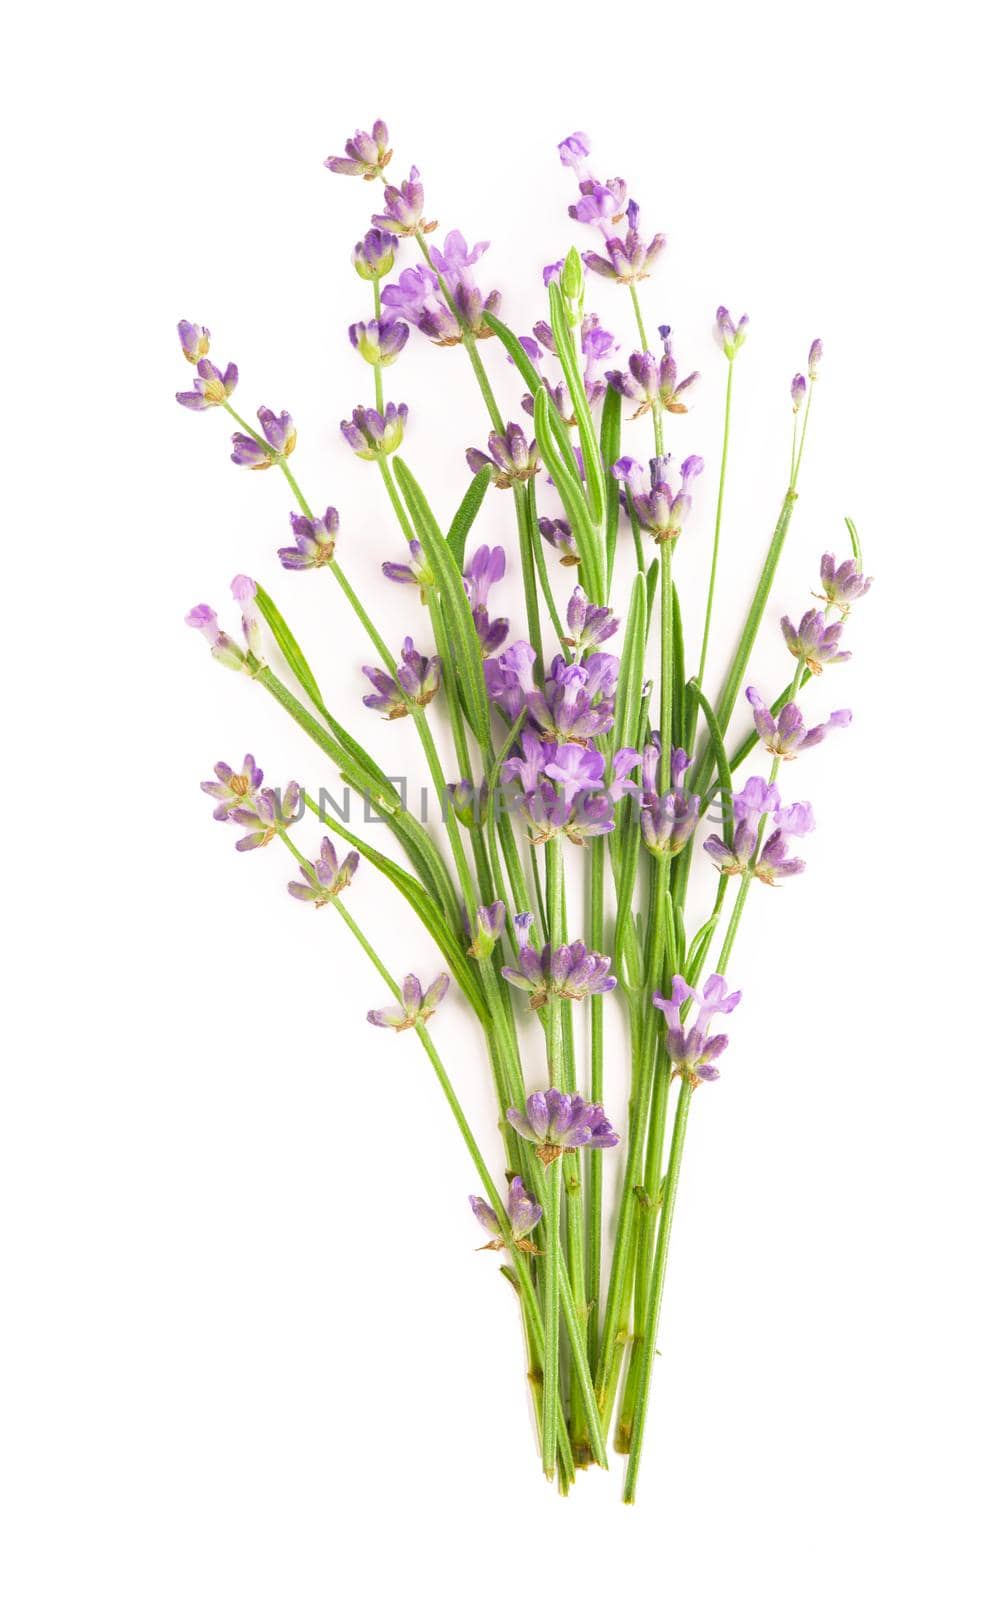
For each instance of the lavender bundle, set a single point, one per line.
(559, 753)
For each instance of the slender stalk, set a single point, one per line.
(666, 662)
(596, 1089)
(719, 523)
(551, 1190)
(657, 1289)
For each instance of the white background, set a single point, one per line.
(247, 1347)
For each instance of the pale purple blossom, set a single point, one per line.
(278, 441)
(660, 509)
(729, 335)
(555, 1122)
(404, 213)
(315, 541)
(488, 929)
(842, 585)
(232, 789)
(380, 341)
(693, 1052)
(523, 1213)
(194, 341)
(416, 571)
(372, 433)
(653, 381)
(416, 1005)
(587, 625)
(815, 642)
(512, 458)
(269, 813)
(210, 388)
(326, 878)
(788, 735)
(374, 255)
(365, 154)
(417, 681)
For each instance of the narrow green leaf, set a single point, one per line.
(571, 493)
(458, 616)
(856, 542)
(289, 646)
(611, 440)
(719, 755)
(466, 515)
(566, 350)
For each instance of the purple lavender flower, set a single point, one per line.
(815, 642)
(417, 681)
(659, 510)
(813, 359)
(601, 205)
(416, 1005)
(232, 789)
(523, 1212)
(626, 260)
(587, 625)
(577, 700)
(279, 440)
(562, 789)
(667, 822)
(574, 151)
(404, 213)
(570, 972)
(693, 1053)
(651, 382)
(326, 878)
(210, 388)
(374, 255)
(512, 459)
(484, 568)
(416, 570)
(789, 735)
(372, 433)
(798, 391)
(273, 811)
(379, 342)
(559, 534)
(774, 862)
(194, 341)
(509, 677)
(365, 155)
(728, 334)
(757, 800)
(454, 263)
(596, 346)
(489, 927)
(417, 297)
(842, 585)
(225, 649)
(315, 541)
(555, 1122)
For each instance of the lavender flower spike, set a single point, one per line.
(650, 382)
(559, 534)
(272, 812)
(789, 735)
(278, 441)
(315, 541)
(210, 388)
(374, 255)
(416, 571)
(512, 459)
(416, 1005)
(417, 681)
(232, 789)
(326, 878)
(379, 342)
(628, 259)
(728, 334)
(489, 926)
(661, 510)
(556, 1122)
(194, 341)
(404, 213)
(587, 625)
(224, 649)
(755, 801)
(798, 391)
(365, 155)
(842, 585)
(815, 642)
(813, 359)
(570, 972)
(693, 1053)
(523, 1212)
(372, 433)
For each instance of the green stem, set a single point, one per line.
(551, 1189)
(666, 663)
(596, 1089)
(719, 523)
(657, 1289)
